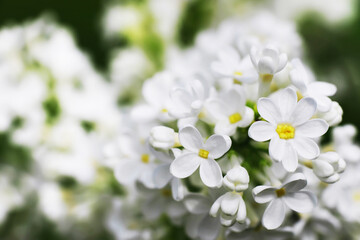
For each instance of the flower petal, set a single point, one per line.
(313, 128)
(196, 203)
(285, 100)
(185, 165)
(263, 194)
(217, 145)
(216, 206)
(126, 171)
(295, 182)
(303, 111)
(217, 108)
(177, 189)
(230, 203)
(191, 138)
(302, 202)
(306, 147)
(162, 175)
(274, 214)
(241, 214)
(261, 131)
(210, 173)
(277, 147)
(322, 88)
(248, 117)
(209, 228)
(290, 158)
(268, 110)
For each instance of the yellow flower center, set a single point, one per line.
(234, 118)
(356, 196)
(164, 110)
(280, 192)
(266, 77)
(238, 73)
(203, 153)
(285, 131)
(145, 158)
(299, 95)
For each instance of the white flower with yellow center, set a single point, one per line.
(200, 154)
(289, 195)
(231, 204)
(288, 127)
(308, 87)
(230, 65)
(230, 112)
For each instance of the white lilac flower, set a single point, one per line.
(162, 175)
(231, 66)
(334, 116)
(268, 61)
(187, 102)
(328, 166)
(343, 138)
(231, 205)
(200, 154)
(288, 195)
(288, 127)
(303, 80)
(230, 111)
(162, 137)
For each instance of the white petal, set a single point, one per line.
(277, 147)
(220, 68)
(216, 206)
(285, 100)
(302, 202)
(266, 65)
(323, 169)
(261, 131)
(209, 228)
(274, 214)
(153, 208)
(177, 189)
(217, 145)
(217, 108)
(248, 117)
(295, 182)
(323, 103)
(322, 88)
(162, 175)
(210, 173)
(127, 171)
(192, 223)
(191, 138)
(282, 62)
(241, 214)
(290, 158)
(313, 128)
(263, 194)
(303, 111)
(306, 147)
(185, 165)
(224, 127)
(230, 203)
(268, 110)
(197, 204)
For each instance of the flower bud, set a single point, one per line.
(334, 115)
(162, 137)
(328, 166)
(237, 179)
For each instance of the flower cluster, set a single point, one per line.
(227, 142)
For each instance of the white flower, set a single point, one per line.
(231, 204)
(308, 87)
(200, 154)
(333, 116)
(287, 195)
(268, 61)
(162, 137)
(328, 166)
(162, 175)
(289, 127)
(343, 138)
(231, 66)
(230, 111)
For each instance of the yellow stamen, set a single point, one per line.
(238, 73)
(299, 95)
(266, 77)
(235, 81)
(201, 115)
(280, 192)
(145, 158)
(356, 196)
(203, 153)
(285, 131)
(308, 164)
(234, 118)
(166, 192)
(164, 110)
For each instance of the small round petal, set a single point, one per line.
(290, 158)
(217, 108)
(282, 62)
(162, 175)
(313, 128)
(210, 173)
(302, 202)
(295, 182)
(306, 147)
(322, 88)
(322, 169)
(261, 131)
(277, 147)
(127, 171)
(241, 214)
(217, 145)
(162, 137)
(286, 101)
(266, 65)
(274, 214)
(185, 165)
(216, 206)
(237, 179)
(268, 110)
(197, 204)
(177, 189)
(303, 111)
(230, 203)
(247, 119)
(191, 138)
(264, 194)
(224, 127)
